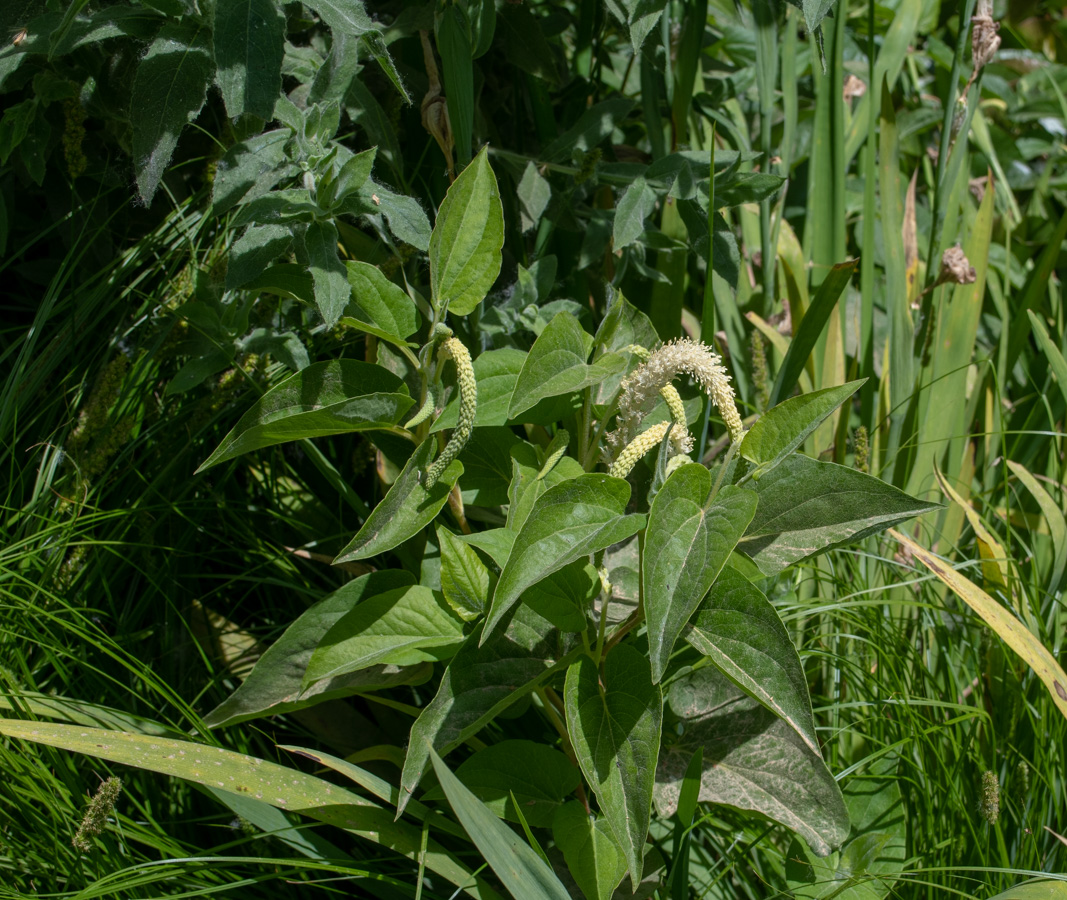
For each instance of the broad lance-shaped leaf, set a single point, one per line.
(753, 760)
(806, 507)
(740, 632)
(333, 397)
(556, 364)
(274, 686)
(405, 626)
(249, 49)
(593, 855)
(781, 430)
(497, 372)
(519, 868)
(465, 580)
(379, 303)
(250, 169)
(573, 519)
(614, 722)
(332, 290)
(635, 205)
(168, 91)
(479, 684)
(690, 537)
(466, 240)
(285, 788)
(406, 509)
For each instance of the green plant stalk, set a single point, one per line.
(766, 21)
(965, 11)
(707, 321)
(868, 393)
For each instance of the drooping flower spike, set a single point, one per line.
(662, 366)
(468, 408)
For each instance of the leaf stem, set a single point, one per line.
(553, 708)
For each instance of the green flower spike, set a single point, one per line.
(641, 444)
(468, 409)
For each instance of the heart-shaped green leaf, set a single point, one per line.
(593, 855)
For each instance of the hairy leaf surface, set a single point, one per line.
(614, 722)
(690, 537)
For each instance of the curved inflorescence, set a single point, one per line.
(468, 409)
(641, 444)
(656, 373)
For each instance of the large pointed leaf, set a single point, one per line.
(690, 537)
(573, 519)
(480, 683)
(406, 509)
(465, 580)
(753, 761)
(327, 398)
(274, 685)
(614, 722)
(285, 788)
(250, 169)
(168, 91)
(635, 205)
(401, 627)
(781, 430)
(806, 507)
(556, 364)
(348, 16)
(740, 632)
(378, 302)
(593, 855)
(332, 290)
(522, 871)
(466, 240)
(249, 39)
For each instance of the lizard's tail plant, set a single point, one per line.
(654, 376)
(468, 408)
(644, 442)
